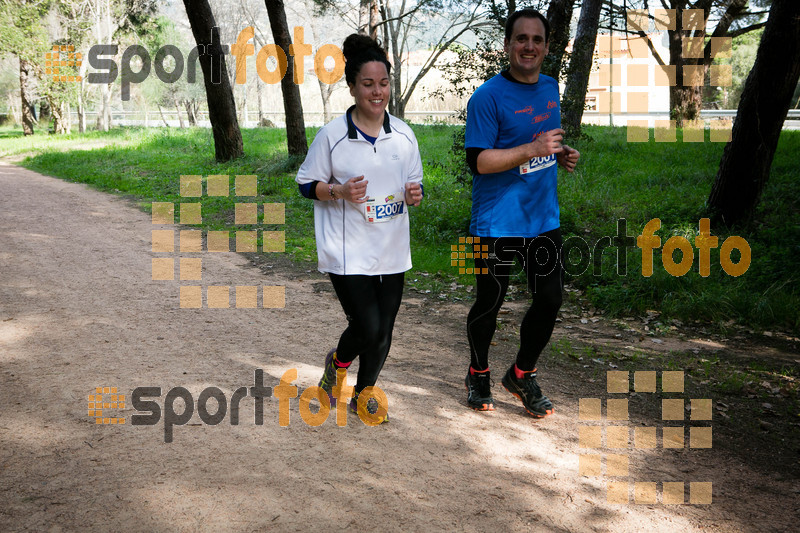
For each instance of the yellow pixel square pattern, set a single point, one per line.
(590, 436)
(274, 213)
(700, 493)
(694, 132)
(666, 75)
(701, 408)
(218, 185)
(218, 297)
(246, 185)
(191, 240)
(671, 409)
(191, 186)
(617, 437)
(672, 381)
(693, 47)
(617, 409)
(665, 19)
(637, 47)
(191, 268)
(163, 213)
(218, 241)
(644, 381)
(638, 132)
(700, 437)
(693, 19)
(638, 76)
(672, 493)
(245, 213)
(191, 297)
(163, 240)
(693, 75)
(617, 382)
(644, 492)
(609, 102)
(638, 102)
(191, 213)
(665, 131)
(721, 131)
(246, 297)
(274, 241)
(610, 74)
(617, 465)
(274, 296)
(721, 47)
(720, 75)
(617, 492)
(590, 465)
(246, 241)
(163, 269)
(638, 19)
(672, 437)
(589, 409)
(644, 437)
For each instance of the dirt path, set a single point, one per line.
(78, 310)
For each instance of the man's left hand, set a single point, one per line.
(568, 157)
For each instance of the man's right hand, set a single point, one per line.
(548, 143)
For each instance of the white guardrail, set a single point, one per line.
(137, 118)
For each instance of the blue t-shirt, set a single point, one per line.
(522, 201)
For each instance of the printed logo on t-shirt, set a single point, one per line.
(527, 110)
(540, 118)
(537, 163)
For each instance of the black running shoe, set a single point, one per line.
(527, 390)
(328, 379)
(372, 408)
(479, 391)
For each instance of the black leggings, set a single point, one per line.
(543, 265)
(371, 304)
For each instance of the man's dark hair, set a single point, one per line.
(528, 13)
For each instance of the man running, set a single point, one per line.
(513, 142)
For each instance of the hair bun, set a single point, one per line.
(357, 44)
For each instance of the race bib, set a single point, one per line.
(537, 163)
(384, 209)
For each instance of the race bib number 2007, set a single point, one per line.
(537, 163)
(384, 209)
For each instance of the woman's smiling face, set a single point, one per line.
(371, 90)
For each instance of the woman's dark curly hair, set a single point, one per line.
(360, 49)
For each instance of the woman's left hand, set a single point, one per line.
(413, 193)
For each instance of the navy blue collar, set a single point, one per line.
(352, 129)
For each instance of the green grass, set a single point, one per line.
(614, 180)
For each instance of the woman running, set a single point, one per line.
(363, 170)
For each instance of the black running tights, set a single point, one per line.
(371, 304)
(542, 262)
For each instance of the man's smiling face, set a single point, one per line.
(527, 48)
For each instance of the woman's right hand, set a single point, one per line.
(354, 190)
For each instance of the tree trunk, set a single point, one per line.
(560, 15)
(58, 118)
(767, 95)
(178, 111)
(163, 118)
(579, 67)
(191, 111)
(25, 73)
(685, 101)
(221, 107)
(81, 112)
(292, 105)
